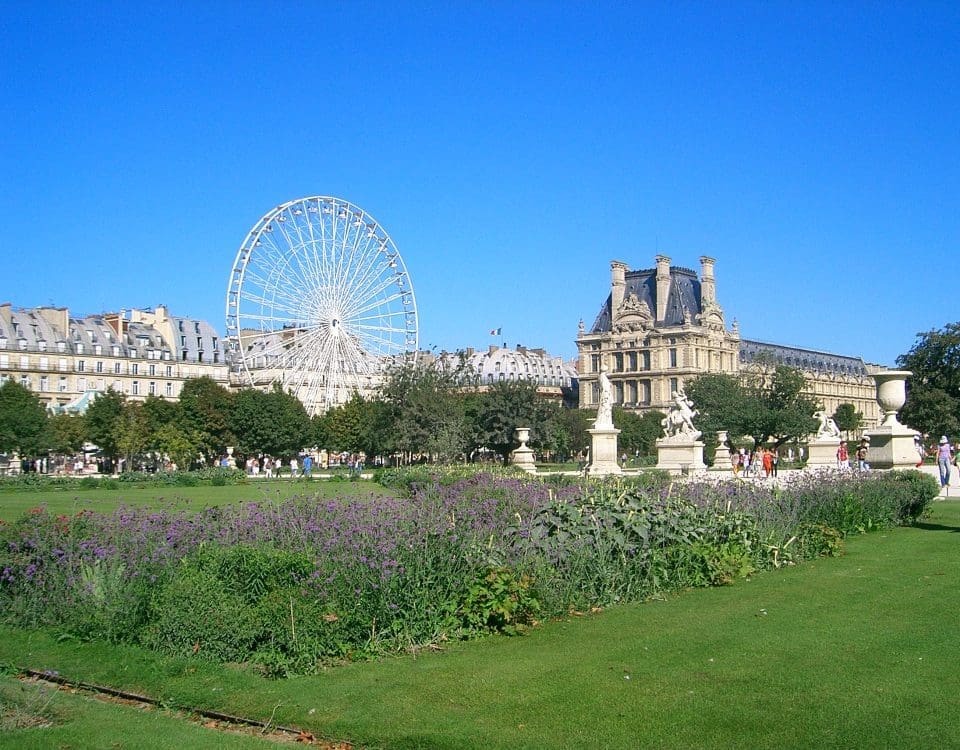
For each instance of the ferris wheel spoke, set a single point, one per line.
(373, 292)
(365, 268)
(362, 262)
(278, 260)
(376, 302)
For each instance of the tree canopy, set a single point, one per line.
(933, 391)
(23, 421)
(768, 406)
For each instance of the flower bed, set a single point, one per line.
(294, 585)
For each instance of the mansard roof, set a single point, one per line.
(684, 296)
(37, 329)
(802, 359)
(501, 363)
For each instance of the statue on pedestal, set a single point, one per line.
(603, 436)
(680, 449)
(679, 420)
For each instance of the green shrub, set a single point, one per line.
(716, 564)
(921, 491)
(243, 603)
(500, 601)
(818, 540)
(195, 615)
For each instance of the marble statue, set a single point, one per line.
(605, 405)
(679, 420)
(828, 428)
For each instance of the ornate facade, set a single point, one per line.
(662, 327)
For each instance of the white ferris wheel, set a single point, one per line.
(319, 301)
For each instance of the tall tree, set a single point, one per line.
(767, 406)
(848, 418)
(68, 432)
(205, 409)
(294, 430)
(787, 414)
(564, 431)
(132, 436)
(275, 422)
(349, 426)
(429, 404)
(933, 391)
(24, 427)
(502, 408)
(103, 419)
(722, 402)
(638, 432)
(158, 412)
(171, 440)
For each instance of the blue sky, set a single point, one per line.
(511, 150)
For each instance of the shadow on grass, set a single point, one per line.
(936, 527)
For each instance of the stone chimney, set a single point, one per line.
(663, 285)
(618, 283)
(708, 286)
(57, 317)
(117, 321)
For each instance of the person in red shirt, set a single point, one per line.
(767, 462)
(843, 456)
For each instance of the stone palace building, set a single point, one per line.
(661, 327)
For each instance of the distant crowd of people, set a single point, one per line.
(299, 466)
(749, 463)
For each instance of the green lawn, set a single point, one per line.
(850, 652)
(14, 504)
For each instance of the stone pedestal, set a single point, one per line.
(721, 458)
(523, 456)
(603, 452)
(892, 447)
(680, 455)
(822, 452)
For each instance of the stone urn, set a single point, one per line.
(891, 394)
(523, 456)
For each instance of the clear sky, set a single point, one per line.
(511, 150)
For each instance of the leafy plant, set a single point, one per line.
(500, 601)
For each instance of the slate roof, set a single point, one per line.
(684, 295)
(802, 359)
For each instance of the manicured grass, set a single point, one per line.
(68, 502)
(79, 721)
(857, 651)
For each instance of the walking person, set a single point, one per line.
(843, 456)
(767, 460)
(862, 450)
(944, 459)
